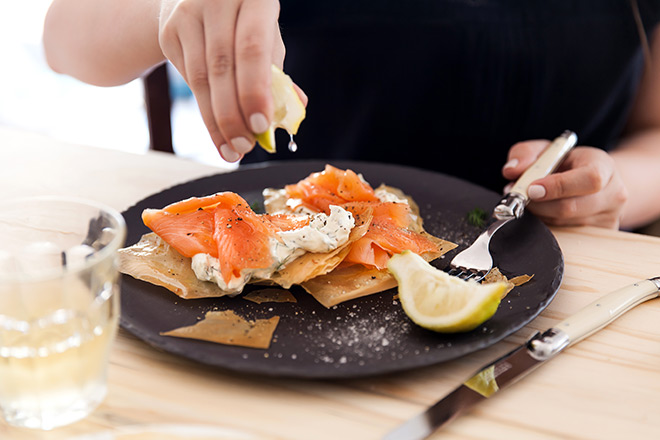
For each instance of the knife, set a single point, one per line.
(521, 361)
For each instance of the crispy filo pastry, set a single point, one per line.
(154, 261)
(354, 281)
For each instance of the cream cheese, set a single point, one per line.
(386, 196)
(324, 233)
(207, 268)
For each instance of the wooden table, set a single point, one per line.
(607, 386)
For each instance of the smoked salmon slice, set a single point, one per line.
(389, 232)
(332, 186)
(189, 233)
(286, 222)
(223, 225)
(242, 238)
(250, 247)
(387, 235)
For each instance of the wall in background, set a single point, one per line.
(34, 98)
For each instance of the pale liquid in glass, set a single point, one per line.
(53, 361)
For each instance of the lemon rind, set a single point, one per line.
(481, 307)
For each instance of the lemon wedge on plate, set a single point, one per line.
(289, 109)
(440, 302)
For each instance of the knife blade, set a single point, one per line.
(521, 361)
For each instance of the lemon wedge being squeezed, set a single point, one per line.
(289, 109)
(440, 302)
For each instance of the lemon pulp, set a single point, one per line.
(484, 382)
(289, 109)
(437, 301)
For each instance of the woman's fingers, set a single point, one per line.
(279, 51)
(585, 190)
(224, 50)
(255, 44)
(219, 30)
(574, 210)
(183, 43)
(301, 94)
(585, 171)
(521, 156)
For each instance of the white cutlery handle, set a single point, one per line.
(546, 164)
(607, 308)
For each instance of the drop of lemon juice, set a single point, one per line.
(293, 147)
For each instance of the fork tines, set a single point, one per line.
(465, 273)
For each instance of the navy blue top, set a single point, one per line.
(450, 85)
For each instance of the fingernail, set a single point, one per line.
(241, 145)
(511, 164)
(536, 192)
(228, 153)
(507, 188)
(259, 123)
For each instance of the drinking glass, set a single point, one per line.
(59, 307)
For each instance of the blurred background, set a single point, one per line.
(35, 98)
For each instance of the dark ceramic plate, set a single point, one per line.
(366, 336)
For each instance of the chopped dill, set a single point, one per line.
(477, 217)
(257, 207)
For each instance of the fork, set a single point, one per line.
(476, 262)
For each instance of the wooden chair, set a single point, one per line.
(159, 104)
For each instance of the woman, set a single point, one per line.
(448, 85)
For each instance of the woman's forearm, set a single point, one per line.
(102, 42)
(638, 162)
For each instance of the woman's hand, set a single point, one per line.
(586, 189)
(224, 50)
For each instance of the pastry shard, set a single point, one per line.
(226, 327)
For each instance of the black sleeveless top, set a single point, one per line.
(450, 85)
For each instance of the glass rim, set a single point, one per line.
(102, 254)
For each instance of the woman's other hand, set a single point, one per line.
(586, 189)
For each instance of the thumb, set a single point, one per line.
(301, 94)
(521, 156)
